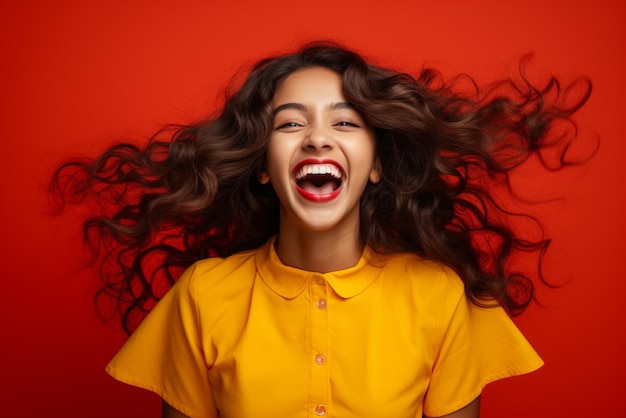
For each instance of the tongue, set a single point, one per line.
(325, 188)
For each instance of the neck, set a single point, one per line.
(322, 252)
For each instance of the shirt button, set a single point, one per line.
(319, 280)
(319, 359)
(321, 304)
(320, 410)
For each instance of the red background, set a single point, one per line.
(77, 74)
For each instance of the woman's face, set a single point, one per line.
(321, 153)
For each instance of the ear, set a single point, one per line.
(376, 171)
(263, 177)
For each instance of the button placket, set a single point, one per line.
(319, 379)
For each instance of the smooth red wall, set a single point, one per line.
(76, 75)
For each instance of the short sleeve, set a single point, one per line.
(165, 355)
(479, 346)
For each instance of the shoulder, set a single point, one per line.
(425, 275)
(216, 288)
(216, 266)
(211, 274)
(432, 290)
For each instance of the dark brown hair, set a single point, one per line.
(192, 192)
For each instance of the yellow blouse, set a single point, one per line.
(393, 336)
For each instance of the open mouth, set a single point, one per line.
(318, 179)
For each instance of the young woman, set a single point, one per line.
(343, 253)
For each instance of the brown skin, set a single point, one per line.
(168, 411)
(470, 411)
(317, 126)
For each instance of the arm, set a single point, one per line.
(168, 411)
(470, 411)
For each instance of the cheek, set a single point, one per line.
(277, 160)
(363, 152)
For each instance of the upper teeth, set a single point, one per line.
(305, 170)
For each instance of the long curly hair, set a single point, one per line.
(446, 153)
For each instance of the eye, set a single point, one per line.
(288, 125)
(346, 124)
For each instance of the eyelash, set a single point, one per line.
(288, 125)
(346, 123)
(343, 123)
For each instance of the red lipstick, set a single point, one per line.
(313, 178)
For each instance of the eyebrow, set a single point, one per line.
(301, 107)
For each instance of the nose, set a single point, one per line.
(318, 137)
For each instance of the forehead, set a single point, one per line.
(314, 84)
